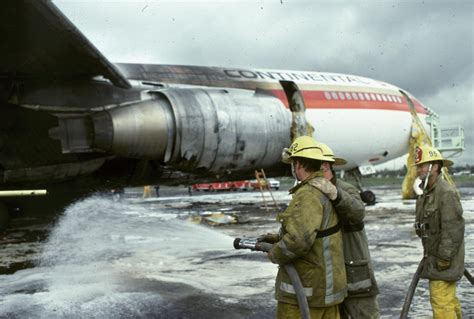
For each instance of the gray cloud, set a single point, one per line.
(425, 47)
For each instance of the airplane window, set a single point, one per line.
(327, 95)
(399, 100)
(334, 96)
(348, 96)
(361, 96)
(379, 98)
(367, 96)
(355, 96)
(384, 97)
(372, 97)
(342, 96)
(389, 97)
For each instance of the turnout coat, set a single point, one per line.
(351, 212)
(440, 225)
(318, 261)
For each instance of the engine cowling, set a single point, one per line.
(188, 128)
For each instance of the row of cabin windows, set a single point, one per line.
(359, 96)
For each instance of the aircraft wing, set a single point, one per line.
(38, 41)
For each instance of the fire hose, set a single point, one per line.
(253, 244)
(411, 289)
(468, 276)
(414, 283)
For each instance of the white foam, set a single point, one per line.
(101, 251)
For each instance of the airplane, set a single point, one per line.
(71, 122)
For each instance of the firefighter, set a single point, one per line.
(440, 225)
(362, 288)
(146, 191)
(310, 239)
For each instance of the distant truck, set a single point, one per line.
(236, 185)
(222, 186)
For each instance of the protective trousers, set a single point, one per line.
(290, 311)
(360, 307)
(443, 299)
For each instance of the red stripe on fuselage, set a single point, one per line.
(352, 100)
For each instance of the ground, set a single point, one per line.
(162, 258)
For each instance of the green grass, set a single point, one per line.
(367, 181)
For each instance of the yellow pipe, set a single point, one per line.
(25, 192)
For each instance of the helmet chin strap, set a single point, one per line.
(427, 176)
(293, 172)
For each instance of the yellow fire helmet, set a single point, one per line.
(307, 147)
(327, 151)
(425, 154)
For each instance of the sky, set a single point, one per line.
(424, 47)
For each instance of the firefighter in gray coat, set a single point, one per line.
(361, 301)
(440, 225)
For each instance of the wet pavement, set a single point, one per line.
(164, 258)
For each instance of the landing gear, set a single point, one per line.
(367, 196)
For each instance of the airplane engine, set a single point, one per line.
(217, 130)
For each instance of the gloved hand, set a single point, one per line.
(325, 186)
(442, 264)
(270, 256)
(268, 238)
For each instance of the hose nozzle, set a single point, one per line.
(252, 244)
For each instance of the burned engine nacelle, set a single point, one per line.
(189, 128)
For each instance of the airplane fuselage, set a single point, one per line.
(364, 120)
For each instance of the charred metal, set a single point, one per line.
(187, 128)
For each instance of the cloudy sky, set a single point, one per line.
(424, 47)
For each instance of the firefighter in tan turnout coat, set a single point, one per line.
(310, 239)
